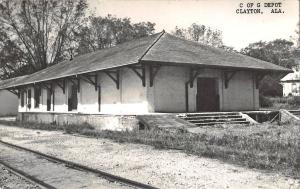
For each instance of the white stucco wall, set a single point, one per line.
(60, 100)
(88, 98)
(241, 93)
(167, 94)
(26, 100)
(169, 90)
(133, 98)
(42, 106)
(8, 103)
(130, 98)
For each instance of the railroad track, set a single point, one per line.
(27, 177)
(70, 165)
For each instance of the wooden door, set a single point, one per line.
(207, 95)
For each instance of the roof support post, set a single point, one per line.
(53, 95)
(78, 84)
(228, 75)
(64, 85)
(115, 76)
(153, 71)
(96, 82)
(187, 96)
(193, 74)
(140, 72)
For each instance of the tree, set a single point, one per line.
(200, 33)
(103, 32)
(280, 52)
(37, 33)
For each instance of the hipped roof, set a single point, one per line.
(161, 48)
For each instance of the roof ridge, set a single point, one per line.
(224, 51)
(150, 46)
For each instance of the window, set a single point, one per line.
(29, 98)
(22, 99)
(48, 100)
(72, 98)
(294, 88)
(37, 95)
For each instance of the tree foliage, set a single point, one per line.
(200, 33)
(37, 33)
(279, 52)
(103, 32)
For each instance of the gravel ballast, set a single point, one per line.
(9, 180)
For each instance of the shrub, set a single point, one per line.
(77, 128)
(265, 102)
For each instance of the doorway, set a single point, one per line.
(207, 99)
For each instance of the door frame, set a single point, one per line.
(217, 95)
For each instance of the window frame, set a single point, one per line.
(29, 98)
(37, 97)
(22, 98)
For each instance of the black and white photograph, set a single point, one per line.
(150, 94)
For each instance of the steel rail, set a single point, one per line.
(105, 175)
(27, 177)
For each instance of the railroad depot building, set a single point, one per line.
(158, 73)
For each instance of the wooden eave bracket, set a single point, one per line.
(228, 75)
(115, 76)
(92, 79)
(153, 71)
(45, 86)
(75, 81)
(193, 74)
(258, 78)
(140, 72)
(14, 91)
(61, 84)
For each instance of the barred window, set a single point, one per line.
(72, 98)
(37, 95)
(22, 99)
(29, 98)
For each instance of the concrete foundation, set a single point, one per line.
(100, 122)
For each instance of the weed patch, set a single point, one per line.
(264, 146)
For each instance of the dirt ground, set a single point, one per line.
(160, 168)
(8, 180)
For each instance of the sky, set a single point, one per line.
(239, 30)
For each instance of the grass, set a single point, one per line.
(8, 115)
(289, 103)
(265, 146)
